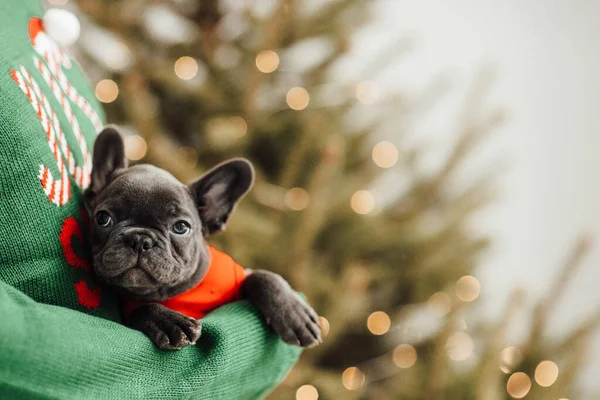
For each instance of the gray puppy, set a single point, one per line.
(148, 235)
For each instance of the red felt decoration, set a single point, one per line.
(87, 297)
(70, 230)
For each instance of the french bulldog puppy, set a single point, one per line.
(148, 234)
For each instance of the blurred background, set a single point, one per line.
(425, 174)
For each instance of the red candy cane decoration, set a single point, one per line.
(63, 90)
(57, 190)
(55, 67)
(81, 174)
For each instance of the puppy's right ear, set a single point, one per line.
(109, 156)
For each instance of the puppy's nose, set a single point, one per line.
(139, 242)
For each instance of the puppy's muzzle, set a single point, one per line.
(139, 241)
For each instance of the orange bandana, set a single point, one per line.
(221, 285)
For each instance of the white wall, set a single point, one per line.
(547, 55)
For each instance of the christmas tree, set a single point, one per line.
(387, 265)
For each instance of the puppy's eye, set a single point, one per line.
(103, 219)
(181, 228)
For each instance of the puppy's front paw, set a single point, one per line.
(175, 332)
(296, 322)
(168, 329)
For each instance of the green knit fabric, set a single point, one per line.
(60, 335)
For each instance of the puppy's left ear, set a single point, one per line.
(109, 155)
(218, 191)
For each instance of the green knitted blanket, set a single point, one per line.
(60, 334)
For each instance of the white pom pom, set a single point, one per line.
(62, 26)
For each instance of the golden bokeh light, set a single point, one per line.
(404, 356)
(238, 125)
(518, 385)
(135, 147)
(307, 392)
(509, 358)
(297, 98)
(107, 91)
(367, 92)
(296, 199)
(267, 61)
(324, 326)
(439, 304)
(225, 130)
(546, 373)
(378, 323)
(353, 378)
(467, 288)
(459, 346)
(385, 154)
(186, 68)
(362, 202)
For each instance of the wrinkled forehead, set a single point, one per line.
(147, 190)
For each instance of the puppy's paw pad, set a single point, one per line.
(179, 341)
(297, 325)
(161, 341)
(307, 337)
(168, 329)
(287, 335)
(182, 330)
(193, 321)
(191, 329)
